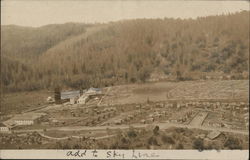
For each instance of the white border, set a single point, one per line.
(126, 154)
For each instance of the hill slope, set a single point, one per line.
(27, 43)
(127, 51)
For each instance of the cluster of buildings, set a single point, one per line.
(81, 96)
(239, 107)
(159, 76)
(222, 76)
(225, 109)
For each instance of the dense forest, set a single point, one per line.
(76, 55)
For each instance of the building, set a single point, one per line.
(22, 121)
(68, 95)
(118, 121)
(50, 100)
(83, 99)
(247, 125)
(26, 119)
(4, 128)
(79, 96)
(150, 120)
(9, 123)
(73, 100)
(143, 121)
(93, 91)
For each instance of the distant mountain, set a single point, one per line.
(80, 55)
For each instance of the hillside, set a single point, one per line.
(27, 43)
(78, 55)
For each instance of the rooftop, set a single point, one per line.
(70, 94)
(213, 134)
(9, 123)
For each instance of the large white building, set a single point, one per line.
(25, 119)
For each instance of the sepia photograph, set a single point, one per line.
(124, 75)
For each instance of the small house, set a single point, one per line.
(150, 120)
(73, 100)
(143, 121)
(118, 121)
(50, 99)
(247, 125)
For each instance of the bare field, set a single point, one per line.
(21, 101)
(139, 93)
(161, 91)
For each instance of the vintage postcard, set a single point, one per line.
(124, 79)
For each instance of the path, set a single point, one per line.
(161, 125)
(198, 119)
(78, 137)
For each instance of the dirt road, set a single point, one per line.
(161, 125)
(198, 119)
(78, 137)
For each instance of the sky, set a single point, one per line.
(37, 13)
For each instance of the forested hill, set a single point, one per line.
(28, 43)
(80, 55)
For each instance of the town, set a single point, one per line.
(97, 114)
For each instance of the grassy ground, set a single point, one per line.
(21, 101)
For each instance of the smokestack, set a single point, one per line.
(58, 95)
